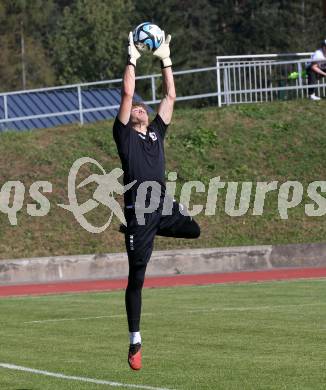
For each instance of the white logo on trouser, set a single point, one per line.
(131, 242)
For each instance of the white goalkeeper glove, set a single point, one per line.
(133, 53)
(163, 52)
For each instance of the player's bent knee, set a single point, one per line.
(192, 230)
(196, 230)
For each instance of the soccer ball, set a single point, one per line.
(148, 36)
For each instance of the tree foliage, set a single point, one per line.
(90, 40)
(67, 41)
(25, 27)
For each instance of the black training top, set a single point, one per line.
(142, 156)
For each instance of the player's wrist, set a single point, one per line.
(166, 62)
(131, 61)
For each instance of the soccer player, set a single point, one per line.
(316, 69)
(140, 145)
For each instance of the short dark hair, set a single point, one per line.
(139, 104)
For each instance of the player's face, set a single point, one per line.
(139, 116)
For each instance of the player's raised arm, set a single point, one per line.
(128, 83)
(165, 109)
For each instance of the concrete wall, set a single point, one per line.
(162, 263)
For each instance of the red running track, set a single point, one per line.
(167, 281)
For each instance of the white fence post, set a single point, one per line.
(226, 86)
(80, 105)
(218, 80)
(5, 106)
(153, 89)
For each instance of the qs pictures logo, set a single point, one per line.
(108, 184)
(12, 195)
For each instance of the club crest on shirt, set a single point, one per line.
(152, 135)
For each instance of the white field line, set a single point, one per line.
(195, 310)
(78, 378)
(81, 318)
(249, 308)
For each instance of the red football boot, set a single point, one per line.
(134, 356)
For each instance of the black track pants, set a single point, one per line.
(313, 78)
(139, 241)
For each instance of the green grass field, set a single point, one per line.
(260, 142)
(268, 335)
